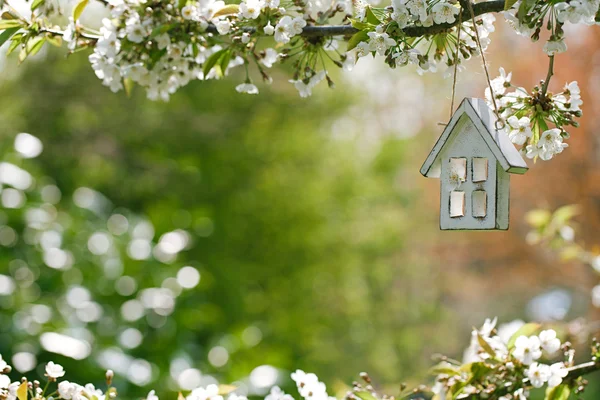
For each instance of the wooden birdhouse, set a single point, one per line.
(473, 161)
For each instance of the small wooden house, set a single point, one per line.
(473, 161)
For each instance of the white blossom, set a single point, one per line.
(444, 13)
(54, 370)
(189, 12)
(553, 47)
(558, 371)
(527, 349)
(538, 374)
(250, 9)
(211, 392)
(277, 394)
(520, 131)
(4, 382)
(283, 30)
(223, 26)
(304, 88)
(66, 389)
(549, 342)
(269, 29)
(247, 87)
(270, 58)
(380, 41)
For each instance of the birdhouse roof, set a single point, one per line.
(484, 120)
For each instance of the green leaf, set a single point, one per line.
(10, 23)
(8, 15)
(508, 4)
(7, 34)
(526, 330)
(524, 9)
(361, 25)
(358, 37)
(162, 29)
(485, 345)
(224, 62)
(478, 370)
(227, 10)
(564, 214)
(13, 45)
(78, 9)
(36, 4)
(444, 368)
(34, 45)
(128, 84)
(371, 18)
(538, 218)
(212, 61)
(54, 40)
(364, 395)
(22, 55)
(560, 392)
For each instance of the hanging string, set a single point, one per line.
(455, 64)
(499, 121)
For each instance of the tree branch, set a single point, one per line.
(582, 369)
(573, 373)
(410, 31)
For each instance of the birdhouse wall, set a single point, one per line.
(472, 204)
(503, 195)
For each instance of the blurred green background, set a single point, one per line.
(300, 242)
(314, 238)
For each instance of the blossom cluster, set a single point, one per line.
(23, 389)
(508, 361)
(529, 116)
(309, 388)
(162, 46)
(528, 18)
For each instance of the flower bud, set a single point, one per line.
(109, 376)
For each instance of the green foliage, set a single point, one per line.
(560, 392)
(295, 237)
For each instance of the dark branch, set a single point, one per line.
(574, 372)
(410, 31)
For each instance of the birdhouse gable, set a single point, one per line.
(483, 121)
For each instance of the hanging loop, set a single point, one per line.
(500, 124)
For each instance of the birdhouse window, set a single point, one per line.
(457, 204)
(479, 198)
(480, 169)
(458, 170)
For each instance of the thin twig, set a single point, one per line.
(549, 76)
(456, 61)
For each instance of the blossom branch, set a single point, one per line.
(486, 7)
